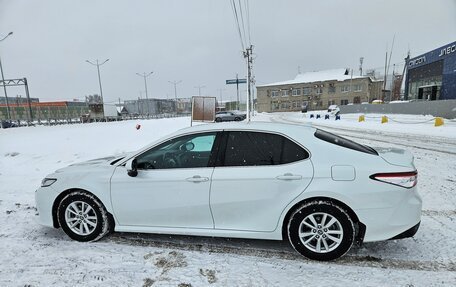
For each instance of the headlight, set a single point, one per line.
(47, 182)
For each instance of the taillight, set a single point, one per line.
(403, 179)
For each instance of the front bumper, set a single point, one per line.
(44, 199)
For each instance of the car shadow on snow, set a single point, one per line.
(376, 254)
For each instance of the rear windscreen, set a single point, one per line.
(343, 142)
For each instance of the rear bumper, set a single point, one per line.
(408, 233)
(399, 220)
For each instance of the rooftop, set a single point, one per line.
(319, 76)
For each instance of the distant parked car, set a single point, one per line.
(229, 116)
(252, 180)
(333, 110)
(5, 124)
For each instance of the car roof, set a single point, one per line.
(250, 126)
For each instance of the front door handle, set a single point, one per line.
(289, 176)
(197, 178)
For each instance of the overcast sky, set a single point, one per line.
(197, 42)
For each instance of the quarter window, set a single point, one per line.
(256, 148)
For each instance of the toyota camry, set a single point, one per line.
(321, 192)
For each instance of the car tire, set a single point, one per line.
(321, 230)
(237, 119)
(218, 120)
(83, 217)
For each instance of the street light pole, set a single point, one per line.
(199, 89)
(99, 78)
(145, 75)
(175, 83)
(3, 81)
(221, 96)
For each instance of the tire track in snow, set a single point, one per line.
(279, 250)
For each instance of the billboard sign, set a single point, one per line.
(203, 109)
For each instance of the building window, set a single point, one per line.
(331, 89)
(306, 91)
(343, 102)
(275, 106)
(284, 93)
(296, 92)
(319, 90)
(331, 102)
(274, 94)
(357, 88)
(345, 89)
(285, 105)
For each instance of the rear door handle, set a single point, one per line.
(197, 178)
(289, 176)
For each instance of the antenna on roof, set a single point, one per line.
(361, 66)
(299, 69)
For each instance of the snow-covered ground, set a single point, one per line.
(32, 255)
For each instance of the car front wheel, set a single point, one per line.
(83, 217)
(321, 230)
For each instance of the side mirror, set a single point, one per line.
(130, 165)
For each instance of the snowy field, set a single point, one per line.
(32, 255)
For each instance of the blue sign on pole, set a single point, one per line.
(236, 81)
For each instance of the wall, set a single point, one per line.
(443, 108)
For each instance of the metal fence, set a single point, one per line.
(442, 108)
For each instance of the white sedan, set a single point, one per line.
(257, 180)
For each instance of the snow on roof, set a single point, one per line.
(319, 76)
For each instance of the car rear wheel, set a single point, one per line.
(321, 230)
(83, 217)
(218, 120)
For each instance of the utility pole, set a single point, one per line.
(3, 81)
(248, 56)
(145, 75)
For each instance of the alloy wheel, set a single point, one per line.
(321, 232)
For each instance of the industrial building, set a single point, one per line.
(317, 91)
(40, 111)
(432, 76)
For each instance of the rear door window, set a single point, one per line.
(245, 148)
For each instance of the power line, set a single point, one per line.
(248, 19)
(242, 19)
(236, 18)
